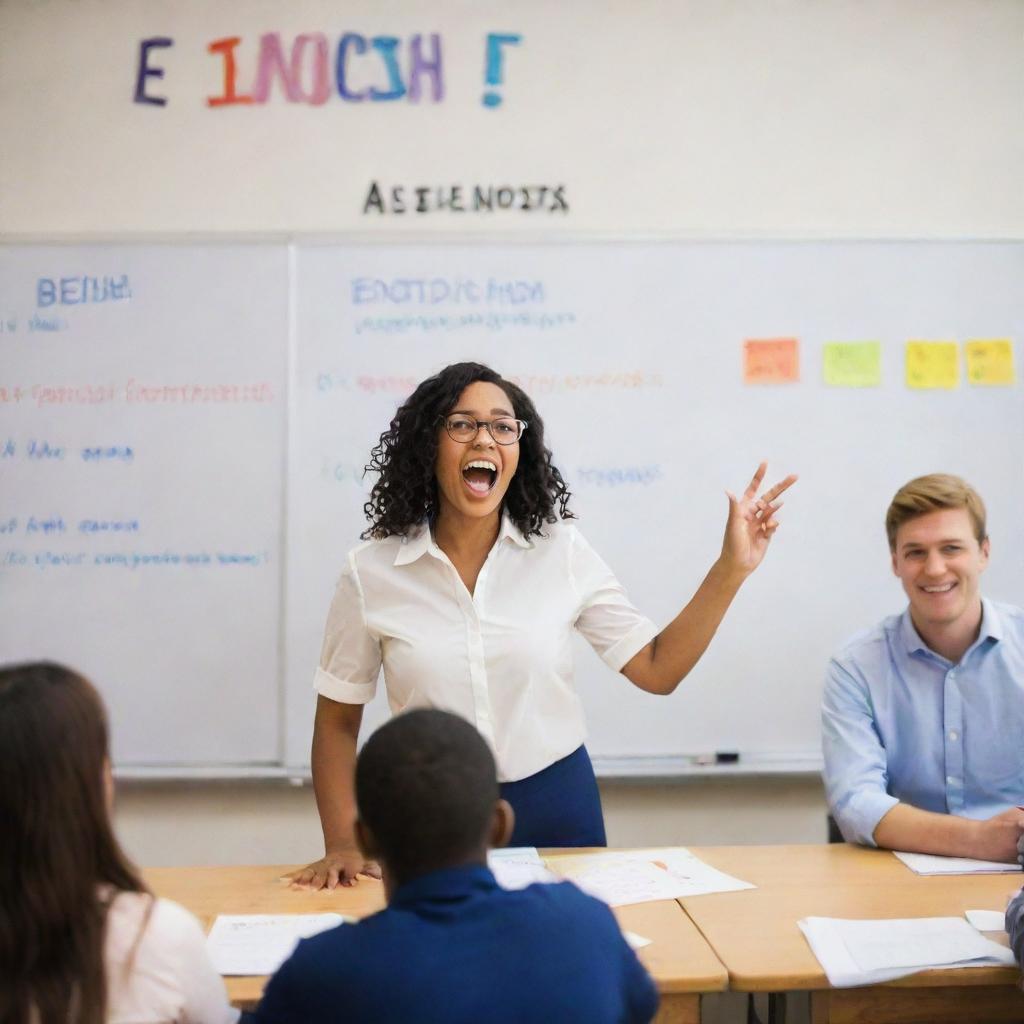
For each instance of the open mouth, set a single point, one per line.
(480, 475)
(945, 588)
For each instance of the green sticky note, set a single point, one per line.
(852, 364)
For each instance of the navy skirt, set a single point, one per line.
(559, 806)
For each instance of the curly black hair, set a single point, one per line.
(405, 494)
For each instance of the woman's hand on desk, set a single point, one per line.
(339, 867)
(751, 524)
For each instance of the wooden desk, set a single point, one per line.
(680, 961)
(754, 932)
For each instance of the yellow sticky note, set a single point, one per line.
(852, 364)
(771, 361)
(990, 361)
(933, 364)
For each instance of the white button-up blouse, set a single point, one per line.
(500, 657)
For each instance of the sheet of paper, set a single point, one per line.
(990, 362)
(930, 864)
(517, 867)
(913, 942)
(987, 920)
(640, 876)
(513, 855)
(852, 364)
(256, 944)
(826, 938)
(771, 361)
(933, 364)
(636, 941)
(621, 884)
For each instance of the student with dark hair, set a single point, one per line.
(452, 947)
(82, 941)
(467, 593)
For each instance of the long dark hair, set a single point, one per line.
(59, 860)
(405, 493)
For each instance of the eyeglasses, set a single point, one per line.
(464, 429)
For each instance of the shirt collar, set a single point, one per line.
(414, 545)
(509, 531)
(418, 543)
(991, 629)
(448, 883)
(991, 622)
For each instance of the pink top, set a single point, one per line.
(158, 971)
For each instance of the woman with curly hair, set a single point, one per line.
(82, 941)
(467, 591)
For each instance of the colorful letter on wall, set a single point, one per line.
(145, 71)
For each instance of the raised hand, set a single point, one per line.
(752, 523)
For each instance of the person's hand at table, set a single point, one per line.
(1000, 837)
(336, 867)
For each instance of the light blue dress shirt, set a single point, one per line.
(902, 724)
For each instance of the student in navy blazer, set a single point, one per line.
(452, 947)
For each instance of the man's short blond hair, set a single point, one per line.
(931, 493)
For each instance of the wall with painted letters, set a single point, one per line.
(741, 117)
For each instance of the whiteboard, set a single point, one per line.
(214, 406)
(142, 402)
(632, 353)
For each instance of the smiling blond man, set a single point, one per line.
(923, 715)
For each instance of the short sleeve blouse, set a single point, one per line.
(500, 657)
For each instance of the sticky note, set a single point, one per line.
(990, 361)
(852, 364)
(933, 364)
(771, 361)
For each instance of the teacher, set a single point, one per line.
(467, 591)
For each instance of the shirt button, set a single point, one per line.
(950, 780)
(953, 735)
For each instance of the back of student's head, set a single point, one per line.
(56, 846)
(426, 787)
(932, 493)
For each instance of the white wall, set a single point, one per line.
(738, 117)
(275, 823)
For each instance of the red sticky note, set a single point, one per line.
(771, 361)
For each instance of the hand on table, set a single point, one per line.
(999, 837)
(752, 523)
(339, 867)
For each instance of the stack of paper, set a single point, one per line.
(868, 952)
(259, 943)
(516, 867)
(641, 876)
(930, 864)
